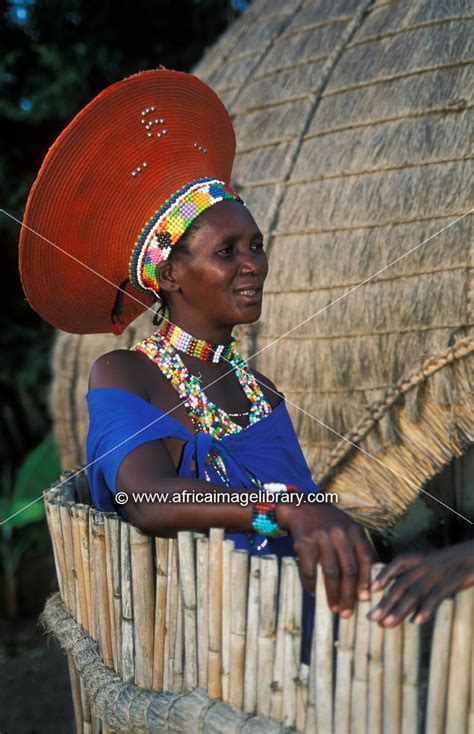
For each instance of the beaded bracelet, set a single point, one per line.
(263, 513)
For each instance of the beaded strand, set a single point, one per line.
(205, 415)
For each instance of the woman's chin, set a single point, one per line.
(249, 315)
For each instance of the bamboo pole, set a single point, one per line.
(438, 675)
(92, 607)
(187, 577)
(392, 680)
(83, 580)
(301, 678)
(112, 548)
(302, 697)
(101, 594)
(127, 658)
(227, 584)
(291, 588)
(359, 693)
(276, 694)
(471, 707)
(460, 662)
(214, 681)
(161, 556)
(411, 672)
(310, 721)
(54, 526)
(167, 682)
(69, 571)
(266, 631)
(345, 661)
(250, 678)
(172, 615)
(82, 616)
(178, 659)
(76, 695)
(143, 605)
(202, 574)
(83, 526)
(376, 637)
(238, 574)
(324, 658)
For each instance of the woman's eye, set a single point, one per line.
(226, 251)
(258, 245)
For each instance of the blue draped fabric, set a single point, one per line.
(120, 421)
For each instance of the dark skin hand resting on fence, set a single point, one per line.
(202, 284)
(421, 582)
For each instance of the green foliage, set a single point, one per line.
(40, 468)
(22, 513)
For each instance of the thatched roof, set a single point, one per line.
(352, 122)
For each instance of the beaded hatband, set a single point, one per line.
(200, 348)
(205, 415)
(169, 223)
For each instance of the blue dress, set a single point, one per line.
(120, 421)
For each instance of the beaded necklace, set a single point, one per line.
(200, 348)
(205, 415)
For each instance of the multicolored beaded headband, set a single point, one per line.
(169, 223)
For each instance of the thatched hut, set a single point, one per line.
(352, 121)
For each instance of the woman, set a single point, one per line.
(135, 192)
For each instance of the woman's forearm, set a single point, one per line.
(178, 503)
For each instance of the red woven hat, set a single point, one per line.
(100, 189)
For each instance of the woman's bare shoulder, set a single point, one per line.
(121, 368)
(271, 393)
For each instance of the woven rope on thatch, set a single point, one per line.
(128, 708)
(353, 123)
(426, 435)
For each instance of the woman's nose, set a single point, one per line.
(254, 262)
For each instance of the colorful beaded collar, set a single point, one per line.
(200, 348)
(205, 415)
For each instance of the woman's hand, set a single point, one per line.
(421, 583)
(328, 536)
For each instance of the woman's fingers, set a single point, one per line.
(349, 571)
(395, 568)
(365, 558)
(308, 558)
(331, 571)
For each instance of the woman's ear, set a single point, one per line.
(166, 277)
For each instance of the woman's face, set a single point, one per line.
(220, 280)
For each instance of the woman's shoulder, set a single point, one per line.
(123, 369)
(270, 392)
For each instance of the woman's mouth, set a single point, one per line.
(250, 295)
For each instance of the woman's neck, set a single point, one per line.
(209, 332)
